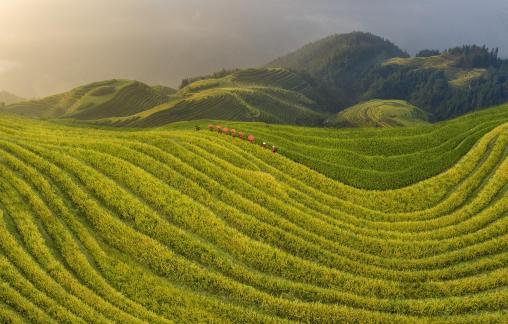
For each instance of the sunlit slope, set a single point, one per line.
(380, 113)
(113, 98)
(383, 158)
(268, 95)
(160, 225)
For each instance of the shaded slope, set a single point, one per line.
(188, 226)
(341, 62)
(166, 91)
(455, 82)
(357, 67)
(457, 76)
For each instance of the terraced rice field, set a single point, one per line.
(112, 98)
(376, 158)
(381, 113)
(222, 99)
(177, 225)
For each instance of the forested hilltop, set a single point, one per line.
(448, 84)
(357, 67)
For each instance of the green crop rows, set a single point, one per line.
(175, 225)
(380, 113)
(376, 158)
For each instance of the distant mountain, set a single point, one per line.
(340, 62)
(380, 113)
(8, 98)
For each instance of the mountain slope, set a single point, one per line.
(380, 113)
(340, 62)
(166, 91)
(269, 95)
(455, 82)
(174, 225)
(305, 87)
(112, 98)
(357, 67)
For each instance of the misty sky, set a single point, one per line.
(50, 46)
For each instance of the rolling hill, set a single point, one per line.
(172, 224)
(268, 95)
(103, 99)
(380, 113)
(305, 87)
(8, 98)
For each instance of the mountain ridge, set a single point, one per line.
(306, 87)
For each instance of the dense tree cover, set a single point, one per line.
(431, 90)
(351, 68)
(473, 56)
(427, 53)
(339, 63)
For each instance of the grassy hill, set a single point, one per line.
(268, 95)
(112, 98)
(8, 98)
(380, 113)
(177, 225)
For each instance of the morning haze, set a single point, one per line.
(49, 46)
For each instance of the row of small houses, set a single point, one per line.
(227, 131)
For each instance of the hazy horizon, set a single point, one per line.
(50, 46)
